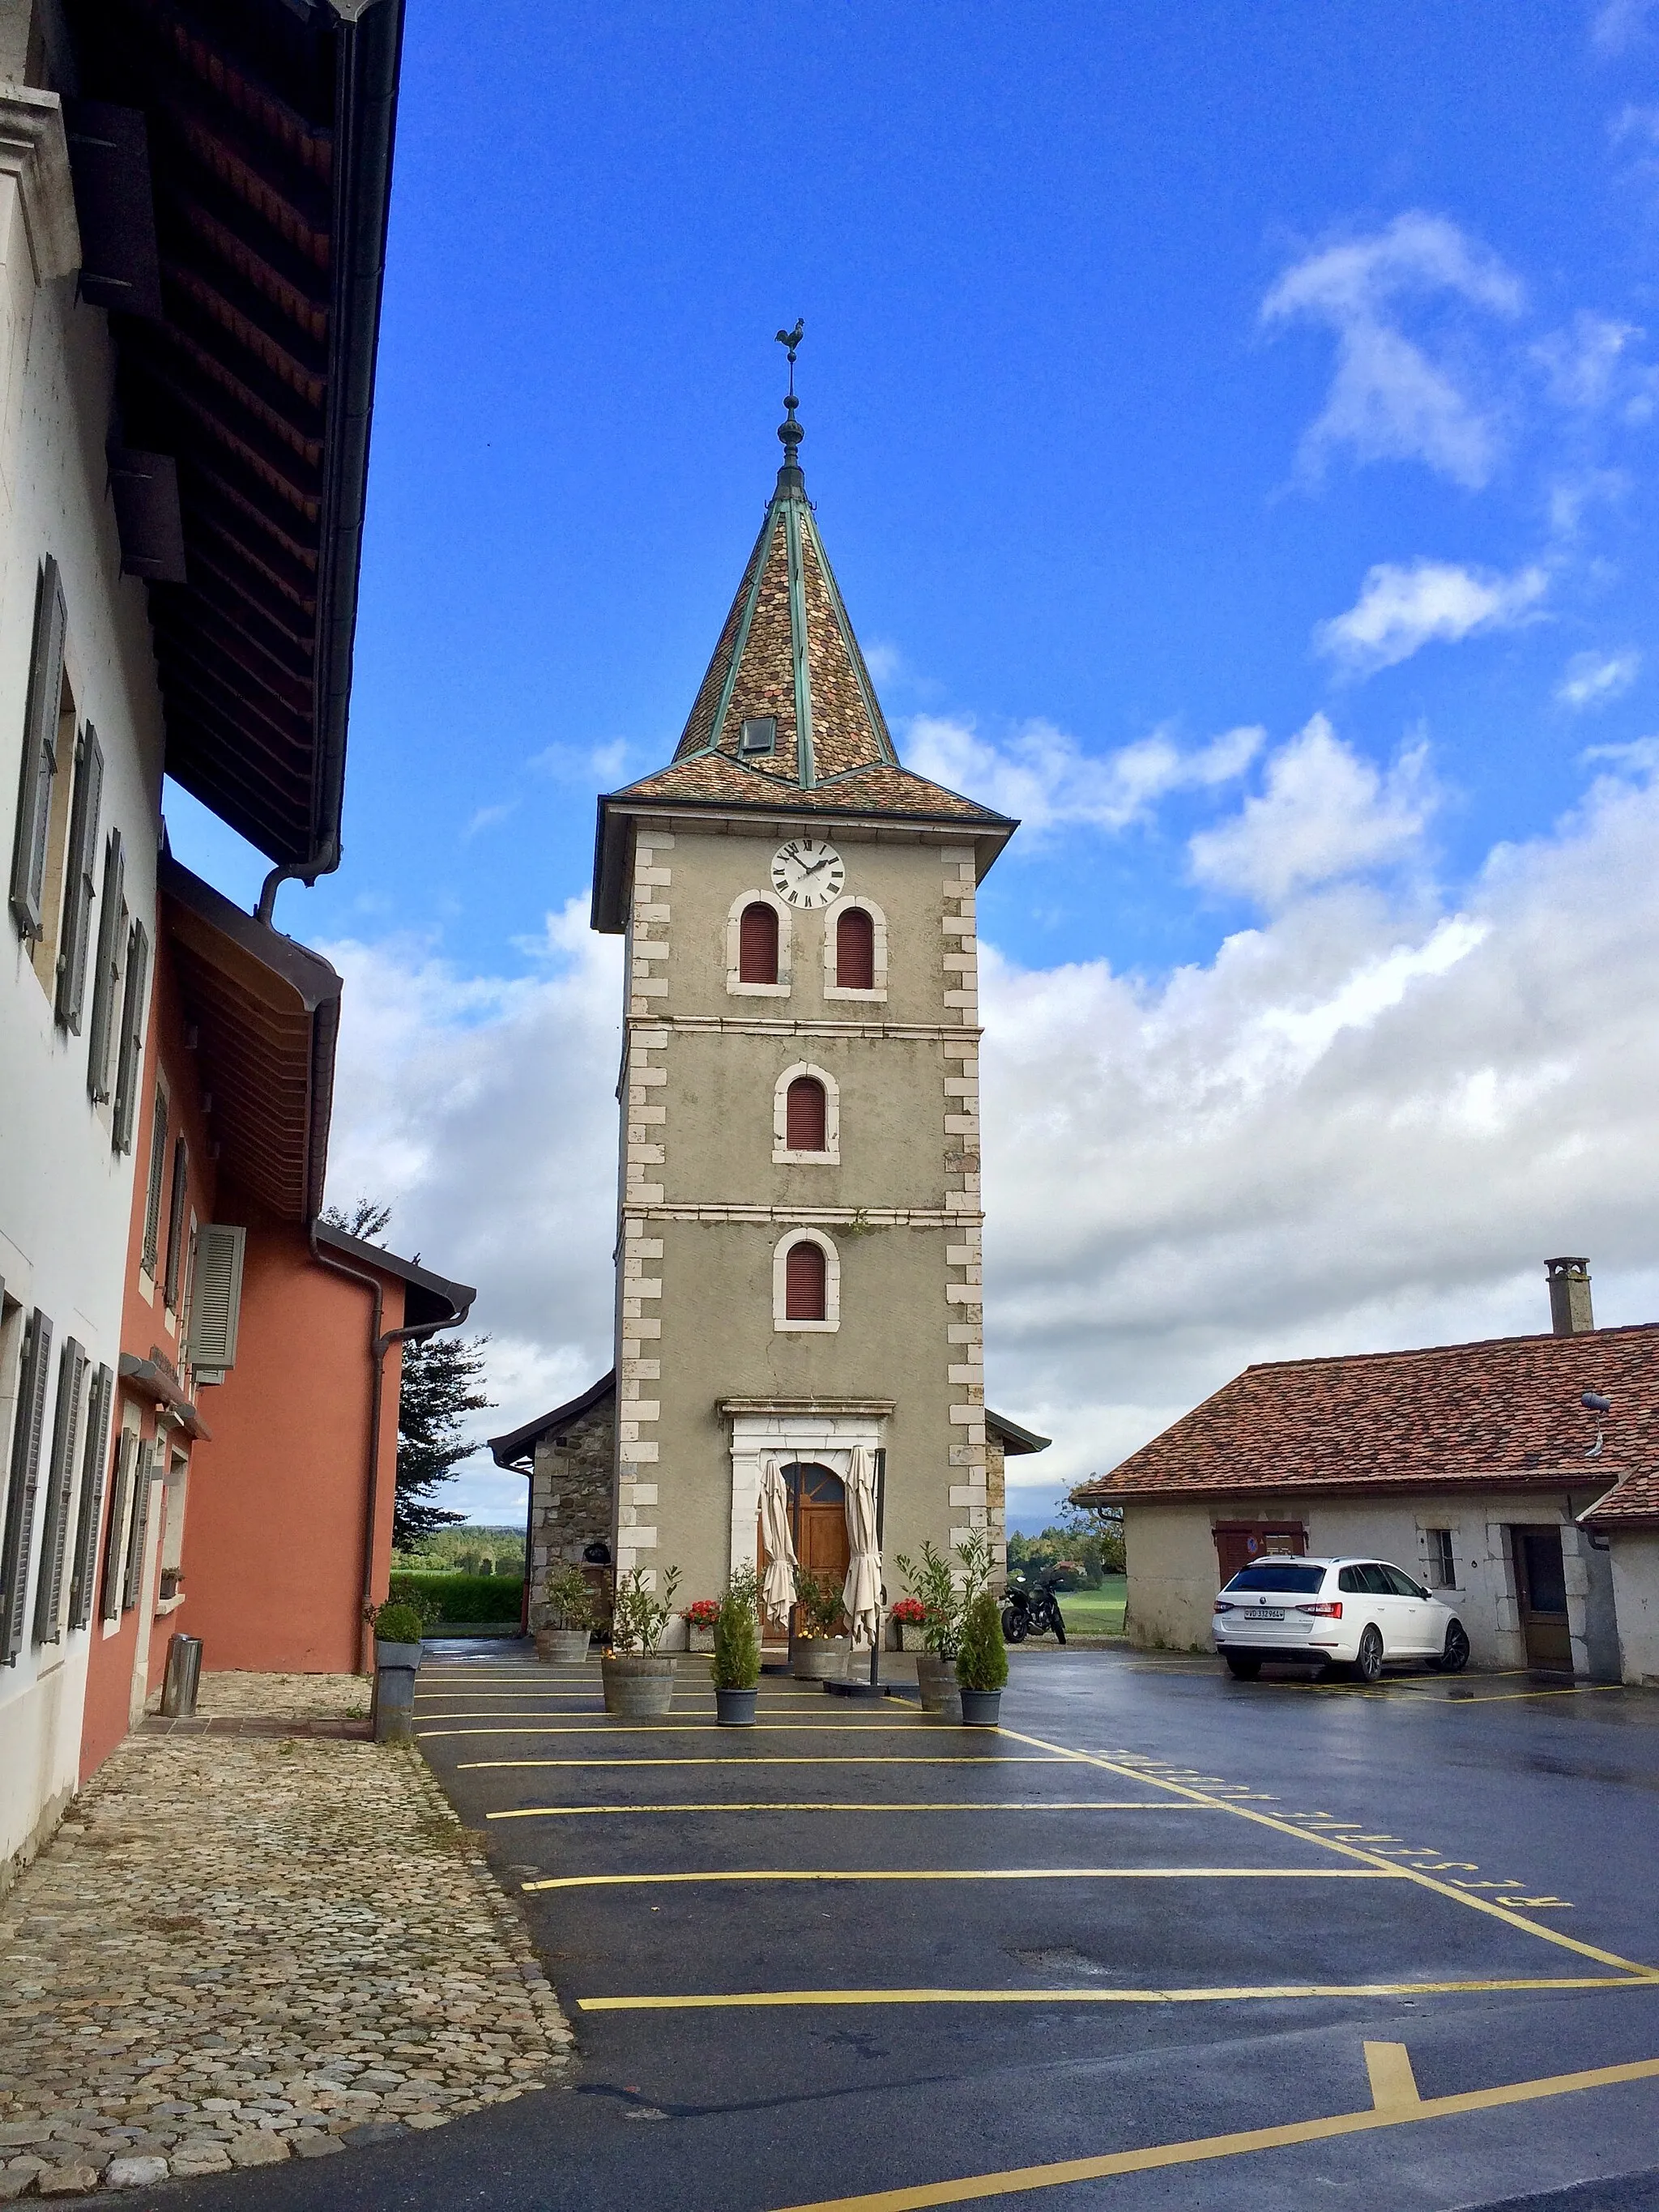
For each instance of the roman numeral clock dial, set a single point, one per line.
(807, 873)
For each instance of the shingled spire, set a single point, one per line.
(787, 656)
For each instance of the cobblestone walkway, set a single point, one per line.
(240, 1950)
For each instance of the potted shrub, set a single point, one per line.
(562, 1616)
(982, 1662)
(909, 1613)
(639, 1678)
(701, 1618)
(819, 1653)
(398, 1630)
(941, 1604)
(737, 1652)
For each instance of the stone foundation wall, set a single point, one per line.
(571, 1502)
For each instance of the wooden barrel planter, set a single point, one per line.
(638, 1686)
(563, 1647)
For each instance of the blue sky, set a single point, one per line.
(1173, 378)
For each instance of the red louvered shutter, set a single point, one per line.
(805, 1119)
(757, 945)
(855, 951)
(804, 1283)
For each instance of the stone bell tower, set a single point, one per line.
(798, 1252)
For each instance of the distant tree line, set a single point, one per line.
(1090, 1538)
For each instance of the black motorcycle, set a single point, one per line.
(1030, 1608)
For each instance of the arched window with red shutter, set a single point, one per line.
(804, 1283)
(855, 950)
(757, 943)
(806, 1118)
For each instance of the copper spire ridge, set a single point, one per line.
(790, 478)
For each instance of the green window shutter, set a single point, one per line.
(115, 1535)
(158, 1162)
(26, 1440)
(131, 1062)
(92, 1497)
(177, 1205)
(148, 1460)
(60, 1492)
(29, 858)
(79, 889)
(111, 927)
(216, 1299)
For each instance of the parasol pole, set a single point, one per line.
(881, 1585)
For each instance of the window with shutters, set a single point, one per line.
(855, 951)
(146, 1467)
(129, 1057)
(806, 1117)
(41, 782)
(150, 1258)
(80, 889)
(115, 1533)
(94, 1462)
(109, 960)
(806, 1282)
(759, 939)
(27, 1441)
(61, 1470)
(178, 1205)
(216, 1299)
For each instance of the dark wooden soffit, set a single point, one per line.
(266, 1012)
(267, 128)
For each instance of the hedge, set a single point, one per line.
(465, 1597)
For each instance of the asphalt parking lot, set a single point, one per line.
(1163, 1940)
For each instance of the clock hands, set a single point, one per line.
(815, 865)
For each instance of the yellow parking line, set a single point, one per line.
(1331, 1843)
(1271, 1993)
(844, 1805)
(970, 1873)
(1394, 2112)
(777, 1758)
(686, 1728)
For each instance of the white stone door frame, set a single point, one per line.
(760, 1433)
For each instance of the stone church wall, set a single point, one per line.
(570, 1503)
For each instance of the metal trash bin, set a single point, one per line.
(183, 1675)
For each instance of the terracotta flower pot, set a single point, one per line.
(638, 1686)
(981, 1708)
(819, 1658)
(735, 1708)
(563, 1647)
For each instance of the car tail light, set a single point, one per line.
(1323, 1612)
(1221, 1606)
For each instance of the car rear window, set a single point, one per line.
(1278, 1575)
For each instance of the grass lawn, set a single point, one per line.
(1095, 1612)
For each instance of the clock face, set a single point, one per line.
(808, 873)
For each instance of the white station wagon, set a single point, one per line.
(1363, 1613)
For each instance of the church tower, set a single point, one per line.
(798, 1254)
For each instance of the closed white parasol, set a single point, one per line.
(778, 1586)
(861, 1592)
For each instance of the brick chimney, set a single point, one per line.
(1570, 1296)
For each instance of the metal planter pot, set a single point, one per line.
(981, 1708)
(563, 1647)
(819, 1658)
(735, 1708)
(638, 1686)
(936, 1678)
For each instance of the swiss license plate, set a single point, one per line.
(1268, 1613)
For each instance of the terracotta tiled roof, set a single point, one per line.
(1505, 1411)
(1635, 1503)
(716, 779)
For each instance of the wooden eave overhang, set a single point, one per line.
(269, 132)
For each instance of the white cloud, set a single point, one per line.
(1389, 400)
(487, 817)
(1326, 812)
(1593, 679)
(1581, 364)
(1401, 609)
(1616, 25)
(1365, 1125)
(1047, 782)
(594, 768)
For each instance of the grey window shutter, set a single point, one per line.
(60, 1492)
(79, 887)
(115, 1535)
(92, 1497)
(131, 1062)
(26, 1442)
(133, 1574)
(28, 859)
(158, 1163)
(215, 1301)
(111, 927)
(180, 1197)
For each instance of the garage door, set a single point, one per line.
(1237, 1543)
